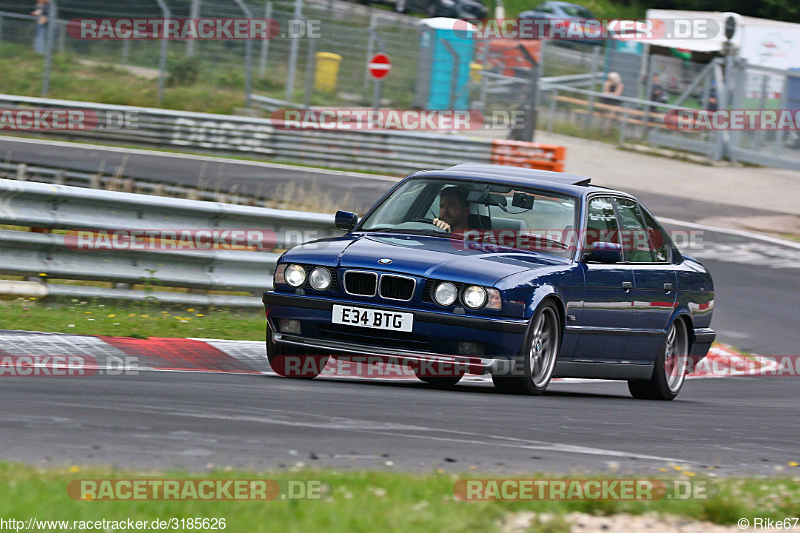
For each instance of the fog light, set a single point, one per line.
(471, 348)
(289, 326)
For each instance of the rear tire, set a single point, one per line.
(533, 368)
(669, 372)
(279, 357)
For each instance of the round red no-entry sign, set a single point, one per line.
(379, 66)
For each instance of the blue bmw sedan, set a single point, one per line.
(523, 274)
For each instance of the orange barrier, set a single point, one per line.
(528, 155)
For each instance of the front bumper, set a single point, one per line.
(435, 334)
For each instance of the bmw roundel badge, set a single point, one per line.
(384, 261)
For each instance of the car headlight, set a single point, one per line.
(445, 293)
(295, 275)
(320, 278)
(447, 3)
(474, 296)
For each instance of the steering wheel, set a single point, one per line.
(428, 221)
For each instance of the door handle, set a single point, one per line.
(627, 285)
(668, 287)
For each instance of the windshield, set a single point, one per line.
(489, 213)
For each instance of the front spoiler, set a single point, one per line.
(424, 360)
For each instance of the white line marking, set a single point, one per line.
(739, 233)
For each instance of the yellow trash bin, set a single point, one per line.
(327, 71)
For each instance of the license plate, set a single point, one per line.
(372, 318)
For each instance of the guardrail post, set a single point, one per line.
(162, 60)
(22, 168)
(262, 66)
(59, 177)
(293, 50)
(51, 37)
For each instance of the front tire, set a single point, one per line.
(669, 373)
(533, 368)
(292, 361)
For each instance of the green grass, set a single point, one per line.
(367, 500)
(155, 320)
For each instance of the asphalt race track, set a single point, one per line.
(160, 419)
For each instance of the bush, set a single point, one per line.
(182, 71)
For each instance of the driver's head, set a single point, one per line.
(453, 207)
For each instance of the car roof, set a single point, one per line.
(522, 177)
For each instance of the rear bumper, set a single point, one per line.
(702, 341)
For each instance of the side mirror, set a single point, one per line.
(604, 252)
(346, 220)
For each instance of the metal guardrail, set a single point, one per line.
(59, 207)
(112, 179)
(391, 151)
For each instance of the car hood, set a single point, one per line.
(428, 257)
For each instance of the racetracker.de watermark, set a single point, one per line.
(195, 489)
(354, 119)
(66, 366)
(561, 240)
(733, 119)
(589, 29)
(582, 489)
(186, 239)
(176, 29)
(66, 119)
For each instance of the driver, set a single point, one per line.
(453, 210)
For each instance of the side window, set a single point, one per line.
(660, 243)
(601, 225)
(634, 235)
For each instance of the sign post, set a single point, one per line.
(379, 67)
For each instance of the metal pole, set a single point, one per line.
(590, 107)
(376, 94)
(778, 148)
(553, 103)
(262, 67)
(162, 60)
(194, 12)
(293, 49)
(648, 89)
(310, 64)
(533, 95)
(248, 57)
(377, 88)
(52, 16)
(454, 75)
(126, 47)
(1, 26)
(370, 48)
